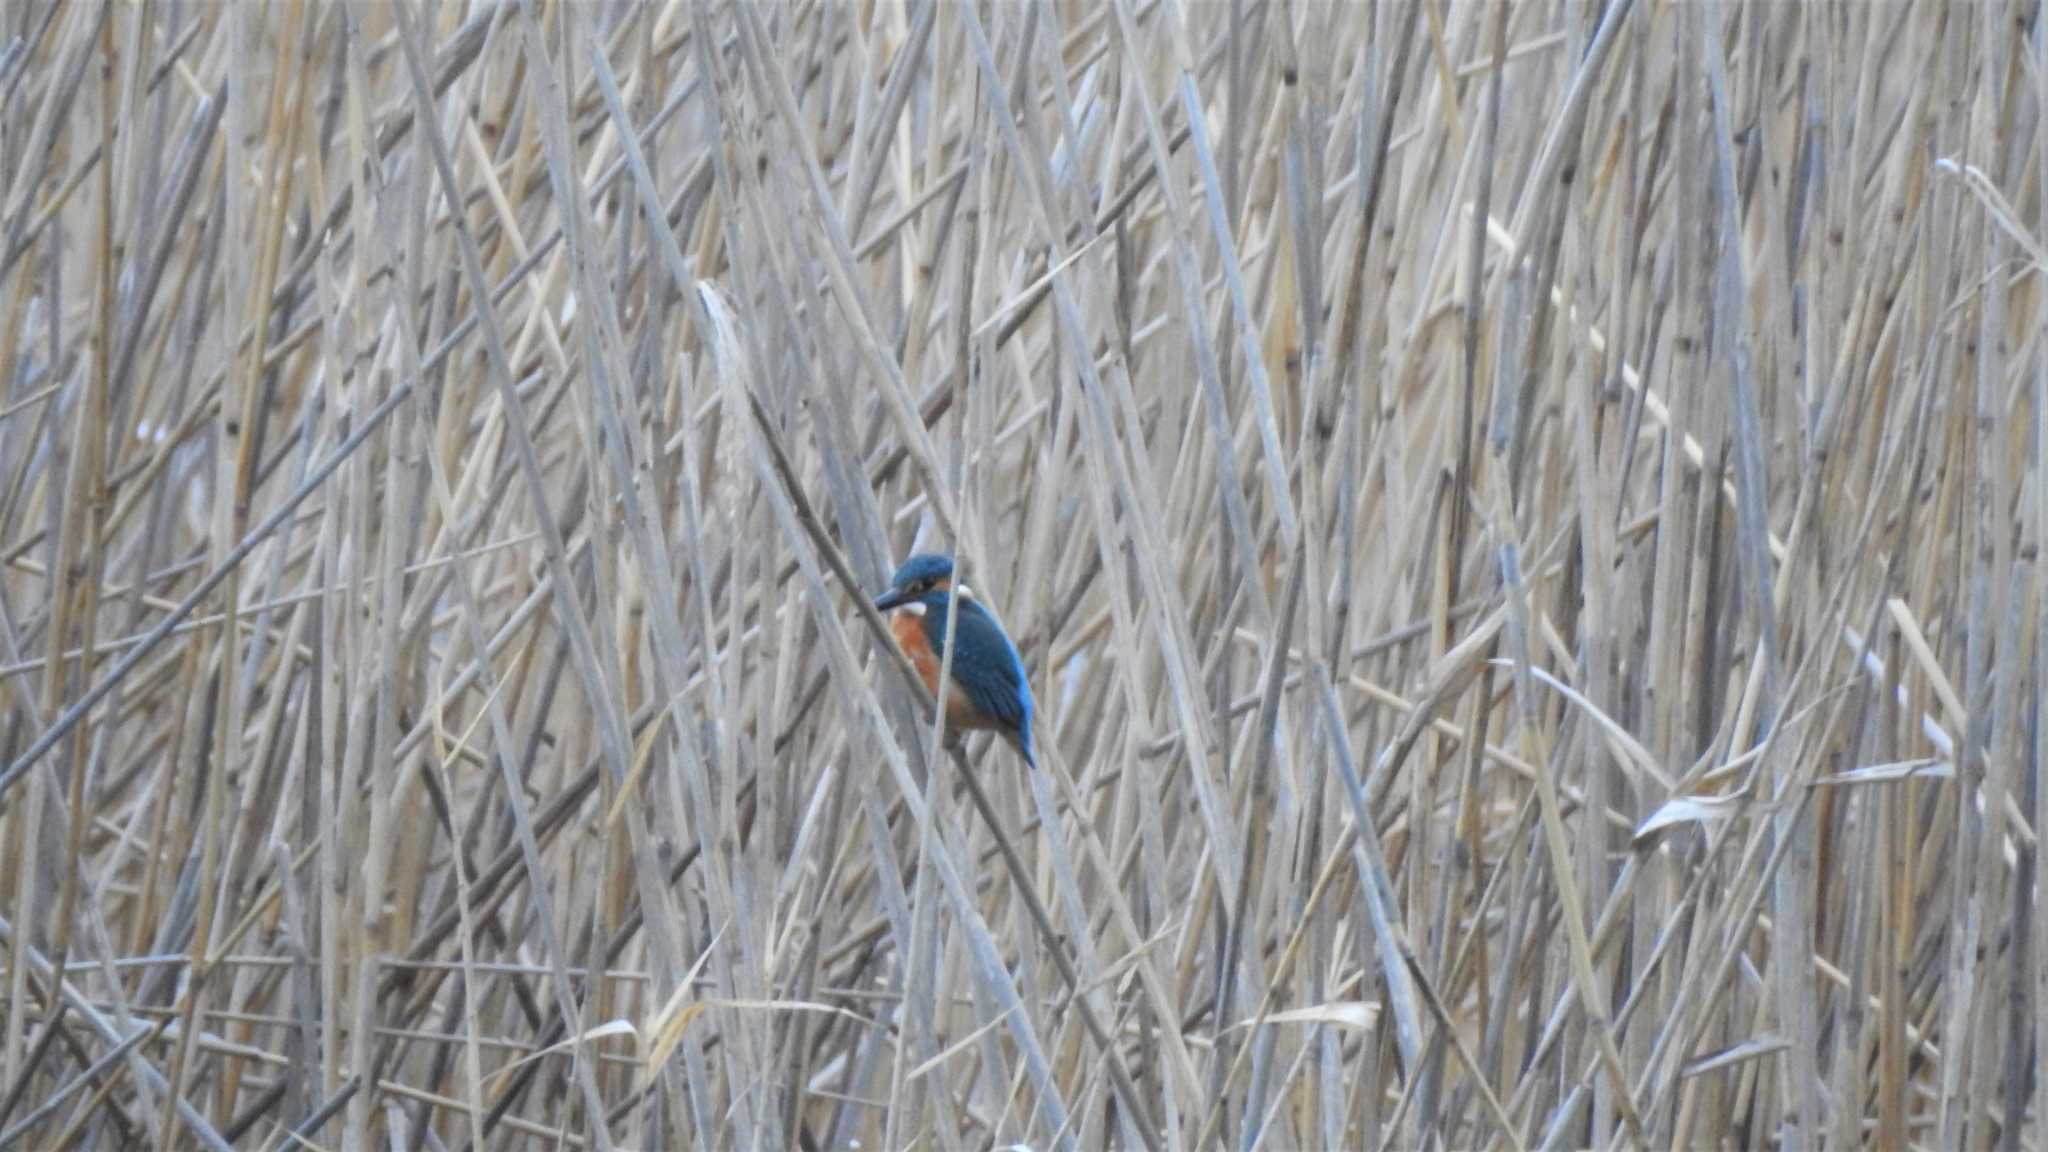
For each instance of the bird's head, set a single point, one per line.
(919, 576)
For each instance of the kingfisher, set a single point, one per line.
(989, 690)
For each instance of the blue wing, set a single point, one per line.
(985, 664)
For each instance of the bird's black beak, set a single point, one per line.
(893, 598)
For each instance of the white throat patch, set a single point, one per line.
(915, 608)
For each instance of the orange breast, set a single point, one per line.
(909, 632)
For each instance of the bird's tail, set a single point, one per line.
(1021, 739)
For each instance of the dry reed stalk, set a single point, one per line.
(1523, 521)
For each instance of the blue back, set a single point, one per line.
(986, 666)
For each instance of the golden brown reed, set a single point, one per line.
(1523, 519)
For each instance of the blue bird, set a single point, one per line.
(989, 690)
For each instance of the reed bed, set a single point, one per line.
(1523, 519)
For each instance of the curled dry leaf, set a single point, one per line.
(1929, 768)
(1358, 1014)
(1688, 810)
